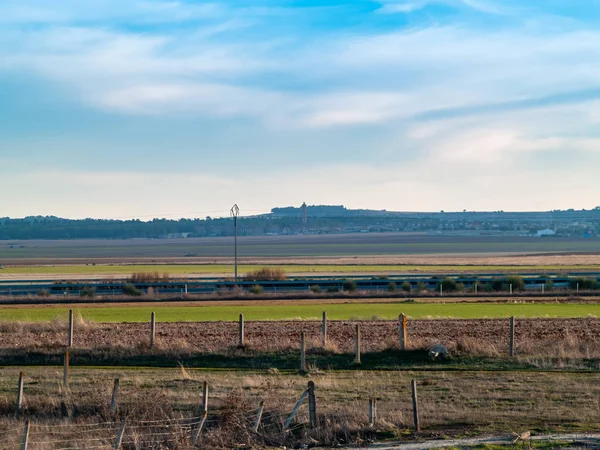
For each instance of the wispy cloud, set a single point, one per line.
(433, 95)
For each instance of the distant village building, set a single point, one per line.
(546, 232)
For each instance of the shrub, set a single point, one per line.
(257, 289)
(349, 285)
(518, 284)
(449, 285)
(88, 292)
(332, 289)
(406, 287)
(315, 289)
(130, 289)
(148, 277)
(266, 274)
(548, 285)
(584, 283)
(391, 287)
(421, 287)
(503, 284)
(44, 293)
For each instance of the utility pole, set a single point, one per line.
(235, 212)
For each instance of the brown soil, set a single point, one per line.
(539, 337)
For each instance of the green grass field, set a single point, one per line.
(207, 269)
(306, 312)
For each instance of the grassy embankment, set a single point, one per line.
(103, 313)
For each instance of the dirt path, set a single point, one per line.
(578, 440)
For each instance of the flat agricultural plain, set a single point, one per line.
(345, 245)
(116, 271)
(299, 310)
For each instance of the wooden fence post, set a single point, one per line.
(303, 351)
(152, 328)
(199, 428)
(415, 406)
(511, 338)
(115, 393)
(70, 339)
(20, 393)
(119, 440)
(402, 332)
(66, 371)
(324, 329)
(205, 397)
(357, 345)
(312, 405)
(25, 440)
(241, 337)
(259, 415)
(372, 411)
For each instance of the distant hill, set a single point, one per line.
(321, 219)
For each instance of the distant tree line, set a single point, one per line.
(50, 227)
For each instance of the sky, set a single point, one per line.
(156, 108)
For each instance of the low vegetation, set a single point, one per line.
(266, 274)
(451, 404)
(149, 277)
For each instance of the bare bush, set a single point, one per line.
(266, 274)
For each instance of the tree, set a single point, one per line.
(349, 285)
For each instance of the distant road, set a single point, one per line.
(578, 440)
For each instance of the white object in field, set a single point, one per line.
(437, 352)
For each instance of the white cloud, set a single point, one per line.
(409, 6)
(445, 104)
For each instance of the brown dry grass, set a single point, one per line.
(450, 403)
(542, 342)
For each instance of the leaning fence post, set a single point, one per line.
(402, 332)
(25, 440)
(241, 337)
(117, 445)
(152, 328)
(303, 351)
(511, 344)
(357, 345)
(66, 371)
(288, 421)
(115, 392)
(20, 393)
(70, 340)
(324, 329)
(312, 405)
(259, 415)
(199, 428)
(415, 406)
(372, 411)
(205, 397)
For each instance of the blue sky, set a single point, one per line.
(182, 108)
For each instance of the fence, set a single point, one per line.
(403, 337)
(131, 433)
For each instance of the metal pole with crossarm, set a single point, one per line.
(235, 212)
